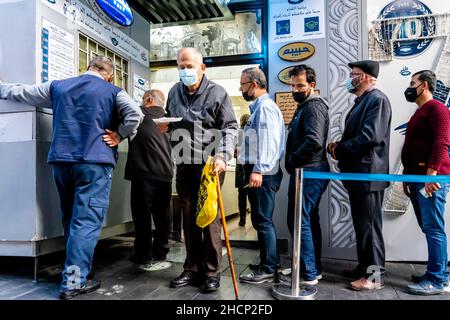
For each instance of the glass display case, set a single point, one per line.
(243, 35)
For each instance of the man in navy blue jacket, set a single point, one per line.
(90, 118)
(364, 148)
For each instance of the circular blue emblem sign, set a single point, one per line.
(407, 29)
(116, 12)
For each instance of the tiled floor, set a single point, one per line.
(123, 280)
(244, 233)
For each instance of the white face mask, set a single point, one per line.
(189, 77)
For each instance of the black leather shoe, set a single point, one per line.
(356, 273)
(182, 280)
(211, 284)
(89, 286)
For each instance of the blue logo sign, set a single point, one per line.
(295, 1)
(113, 11)
(312, 24)
(405, 72)
(141, 82)
(407, 29)
(283, 27)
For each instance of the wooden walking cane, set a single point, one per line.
(227, 241)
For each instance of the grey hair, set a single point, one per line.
(194, 51)
(102, 63)
(257, 75)
(157, 97)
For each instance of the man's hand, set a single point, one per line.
(255, 180)
(330, 149)
(431, 187)
(406, 190)
(219, 166)
(111, 138)
(163, 127)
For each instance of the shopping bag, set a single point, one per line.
(207, 206)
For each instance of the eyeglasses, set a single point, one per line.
(246, 83)
(351, 75)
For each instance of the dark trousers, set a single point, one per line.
(367, 208)
(242, 202)
(262, 204)
(150, 198)
(203, 246)
(84, 197)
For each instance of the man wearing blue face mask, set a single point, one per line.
(210, 127)
(364, 148)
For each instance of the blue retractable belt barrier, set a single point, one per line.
(374, 177)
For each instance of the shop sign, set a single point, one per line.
(296, 20)
(86, 18)
(287, 104)
(297, 51)
(415, 36)
(283, 76)
(116, 12)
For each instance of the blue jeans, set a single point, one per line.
(84, 197)
(430, 214)
(262, 203)
(311, 238)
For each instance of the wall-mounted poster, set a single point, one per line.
(297, 22)
(140, 85)
(58, 47)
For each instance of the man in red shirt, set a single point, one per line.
(426, 152)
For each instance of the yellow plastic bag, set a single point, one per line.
(207, 206)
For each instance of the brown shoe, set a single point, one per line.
(364, 284)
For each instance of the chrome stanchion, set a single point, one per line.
(295, 290)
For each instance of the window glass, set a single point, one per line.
(239, 36)
(89, 49)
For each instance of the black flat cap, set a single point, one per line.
(368, 66)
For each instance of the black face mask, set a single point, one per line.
(247, 97)
(411, 93)
(299, 97)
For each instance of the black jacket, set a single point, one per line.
(149, 153)
(364, 147)
(307, 137)
(209, 108)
